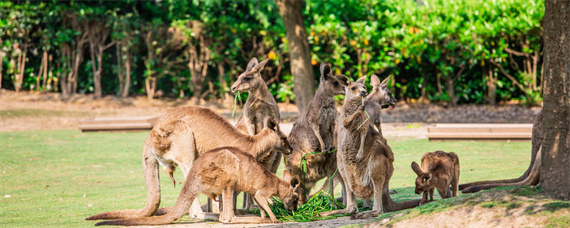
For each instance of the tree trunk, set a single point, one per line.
(449, 85)
(491, 86)
(127, 84)
(299, 53)
(20, 68)
(1, 63)
(555, 174)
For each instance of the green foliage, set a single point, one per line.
(310, 211)
(443, 51)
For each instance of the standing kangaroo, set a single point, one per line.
(180, 136)
(439, 170)
(221, 172)
(260, 104)
(367, 177)
(313, 133)
(379, 98)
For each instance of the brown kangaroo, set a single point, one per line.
(260, 104)
(367, 177)
(379, 98)
(221, 172)
(530, 177)
(180, 136)
(439, 170)
(313, 132)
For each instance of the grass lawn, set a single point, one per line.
(57, 178)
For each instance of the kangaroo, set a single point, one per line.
(313, 133)
(180, 136)
(530, 177)
(259, 105)
(378, 99)
(367, 177)
(439, 170)
(221, 172)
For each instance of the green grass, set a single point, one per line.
(57, 178)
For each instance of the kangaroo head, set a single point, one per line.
(298, 188)
(281, 145)
(423, 181)
(332, 84)
(381, 92)
(251, 78)
(355, 90)
(291, 199)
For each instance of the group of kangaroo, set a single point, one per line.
(219, 159)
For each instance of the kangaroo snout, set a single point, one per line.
(363, 93)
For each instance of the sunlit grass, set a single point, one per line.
(57, 178)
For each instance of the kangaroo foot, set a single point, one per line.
(366, 214)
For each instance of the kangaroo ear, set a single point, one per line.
(325, 71)
(257, 68)
(271, 124)
(427, 177)
(252, 63)
(294, 182)
(361, 80)
(417, 169)
(385, 82)
(374, 81)
(343, 79)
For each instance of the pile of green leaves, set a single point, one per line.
(310, 211)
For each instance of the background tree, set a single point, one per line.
(299, 52)
(554, 173)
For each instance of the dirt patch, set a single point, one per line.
(497, 208)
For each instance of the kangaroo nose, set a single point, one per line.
(234, 89)
(363, 93)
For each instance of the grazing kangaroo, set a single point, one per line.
(530, 177)
(379, 98)
(313, 133)
(183, 134)
(221, 172)
(367, 177)
(260, 104)
(439, 170)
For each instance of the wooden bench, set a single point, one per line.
(442, 132)
(118, 124)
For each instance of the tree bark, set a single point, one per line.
(97, 35)
(449, 85)
(555, 174)
(299, 53)
(127, 85)
(491, 85)
(1, 63)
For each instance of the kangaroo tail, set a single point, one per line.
(532, 179)
(150, 168)
(189, 192)
(390, 205)
(536, 145)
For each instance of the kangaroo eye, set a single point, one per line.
(353, 88)
(335, 83)
(247, 79)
